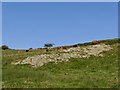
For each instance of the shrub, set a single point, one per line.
(4, 47)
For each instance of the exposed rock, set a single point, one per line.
(75, 52)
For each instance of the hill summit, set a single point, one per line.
(64, 53)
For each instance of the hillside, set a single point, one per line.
(86, 65)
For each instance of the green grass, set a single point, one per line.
(94, 72)
(108, 42)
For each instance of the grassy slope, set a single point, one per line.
(99, 72)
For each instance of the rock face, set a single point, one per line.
(65, 55)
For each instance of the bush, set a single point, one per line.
(4, 47)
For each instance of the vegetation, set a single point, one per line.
(4, 47)
(93, 72)
(47, 45)
(108, 42)
(111, 41)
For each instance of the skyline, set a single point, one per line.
(33, 24)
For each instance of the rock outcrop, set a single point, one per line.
(65, 55)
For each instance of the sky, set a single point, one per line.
(31, 25)
(0, 23)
